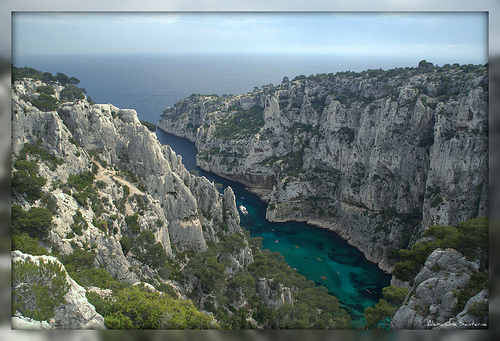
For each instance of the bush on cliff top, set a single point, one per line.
(469, 237)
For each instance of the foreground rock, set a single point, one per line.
(76, 313)
(432, 301)
(136, 174)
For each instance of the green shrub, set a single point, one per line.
(118, 321)
(149, 125)
(18, 73)
(81, 181)
(26, 244)
(136, 308)
(36, 222)
(380, 316)
(167, 289)
(127, 243)
(71, 93)
(233, 243)
(97, 277)
(78, 260)
(126, 191)
(45, 102)
(147, 251)
(38, 288)
(41, 155)
(26, 180)
(100, 184)
(79, 223)
(45, 89)
(132, 223)
(479, 310)
(477, 282)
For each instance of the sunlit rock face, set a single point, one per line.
(135, 174)
(376, 156)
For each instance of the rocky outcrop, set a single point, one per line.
(376, 156)
(75, 313)
(273, 294)
(432, 301)
(473, 315)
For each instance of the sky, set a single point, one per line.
(492, 7)
(436, 36)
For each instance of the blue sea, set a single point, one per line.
(151, 83)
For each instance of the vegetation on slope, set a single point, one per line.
(149, 125)
(240, 124)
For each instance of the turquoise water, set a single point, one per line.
(318, 254)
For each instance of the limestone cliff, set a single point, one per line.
(137, 185)
(93, 187)
(376, 156)
(146, 177)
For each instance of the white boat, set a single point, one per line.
(243, 209)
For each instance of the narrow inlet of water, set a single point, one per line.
(316, 253)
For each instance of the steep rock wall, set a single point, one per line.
(113, 144)
(376, 156)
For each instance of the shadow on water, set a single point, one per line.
(318, 254)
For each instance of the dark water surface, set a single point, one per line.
(318, 254)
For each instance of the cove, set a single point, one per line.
(318, 254)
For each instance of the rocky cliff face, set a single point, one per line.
(132, 167)
(432, 302)
(134, 177)
(110, 194)
(376, 156)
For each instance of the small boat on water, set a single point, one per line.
(295, 269)
(318, 259)
(296, 246)
(243, 209)
(276, 241)
(323, 278)
(369, 291)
